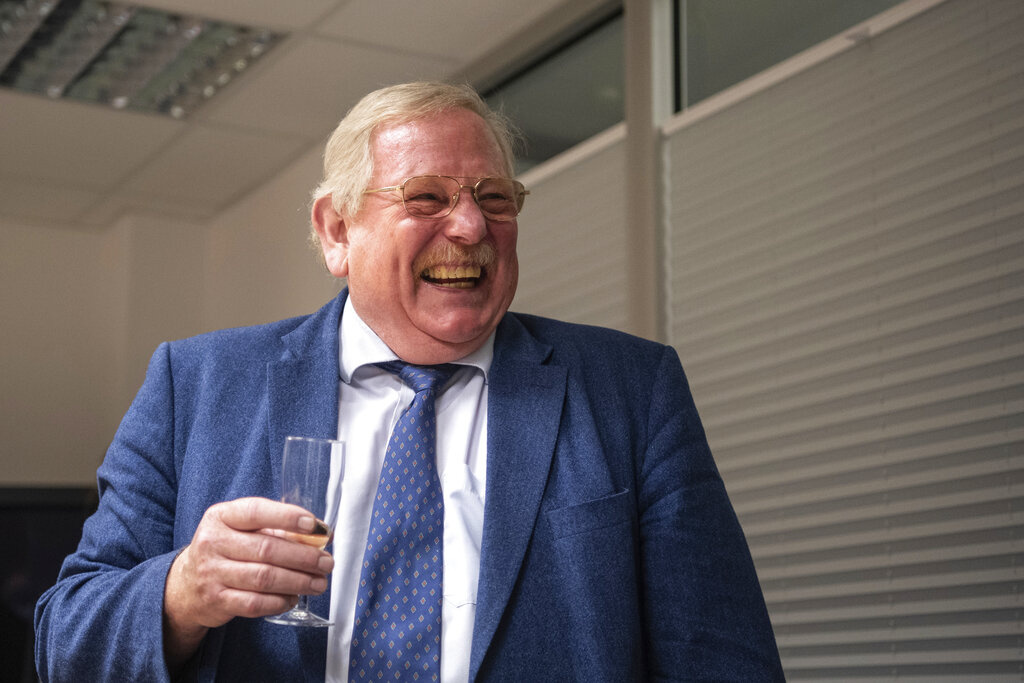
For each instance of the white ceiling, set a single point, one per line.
(85, 165)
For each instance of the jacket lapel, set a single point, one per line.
(524, 411)
(303, 396)
(303, 385)
(525, 399)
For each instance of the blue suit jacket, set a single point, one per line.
(610, 550)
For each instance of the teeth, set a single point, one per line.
(452, 272)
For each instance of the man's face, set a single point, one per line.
(432, 289)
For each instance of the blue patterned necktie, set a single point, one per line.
(397, 630)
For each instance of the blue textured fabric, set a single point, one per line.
(610, 550)
(397, 627)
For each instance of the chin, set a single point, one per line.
(459, 336)
(460, 330)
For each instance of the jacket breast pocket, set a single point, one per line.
(593, 515)
(591, 588)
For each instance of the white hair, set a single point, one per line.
(348, 159)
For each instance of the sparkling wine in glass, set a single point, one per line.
(311, 474)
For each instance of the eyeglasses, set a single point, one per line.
(435, 196)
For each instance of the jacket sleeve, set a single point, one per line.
(102, 621)
(703, 608)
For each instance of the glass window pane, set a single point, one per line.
(568, 96)
(727, 42)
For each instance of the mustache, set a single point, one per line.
(451, 254)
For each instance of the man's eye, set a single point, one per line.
(495, 197)
(426, 197)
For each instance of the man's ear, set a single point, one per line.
(333, 233)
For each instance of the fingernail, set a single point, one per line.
(307, 523)
(318, 585)
(326, 563)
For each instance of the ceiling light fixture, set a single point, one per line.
(121, 55)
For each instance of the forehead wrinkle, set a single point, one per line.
(407, 147)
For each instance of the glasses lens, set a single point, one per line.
(500, 198)
(429, 197)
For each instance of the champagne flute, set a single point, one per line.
(311, 474)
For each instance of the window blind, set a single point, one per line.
(845, 259)
(572, 235)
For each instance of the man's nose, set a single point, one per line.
(466, 223)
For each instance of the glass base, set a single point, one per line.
(299, 617)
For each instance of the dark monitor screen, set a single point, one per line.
(39, 528)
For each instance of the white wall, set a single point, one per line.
(58, 347)
(258, 267)
(83, 312)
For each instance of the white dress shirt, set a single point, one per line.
(370, 403)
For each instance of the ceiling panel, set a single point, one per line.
(312, 83)
(111, 208)
(273, 14)
(89, 164)
(36, 201)
(460, 31)
(81, 145)
(211, 166)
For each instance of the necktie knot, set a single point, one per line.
(421, 377)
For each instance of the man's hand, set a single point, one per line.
(239, 564)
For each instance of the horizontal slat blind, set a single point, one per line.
(846, 290)
(572, 236)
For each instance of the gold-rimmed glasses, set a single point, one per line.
(435, 196)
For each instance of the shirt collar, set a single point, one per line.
(359, 345)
